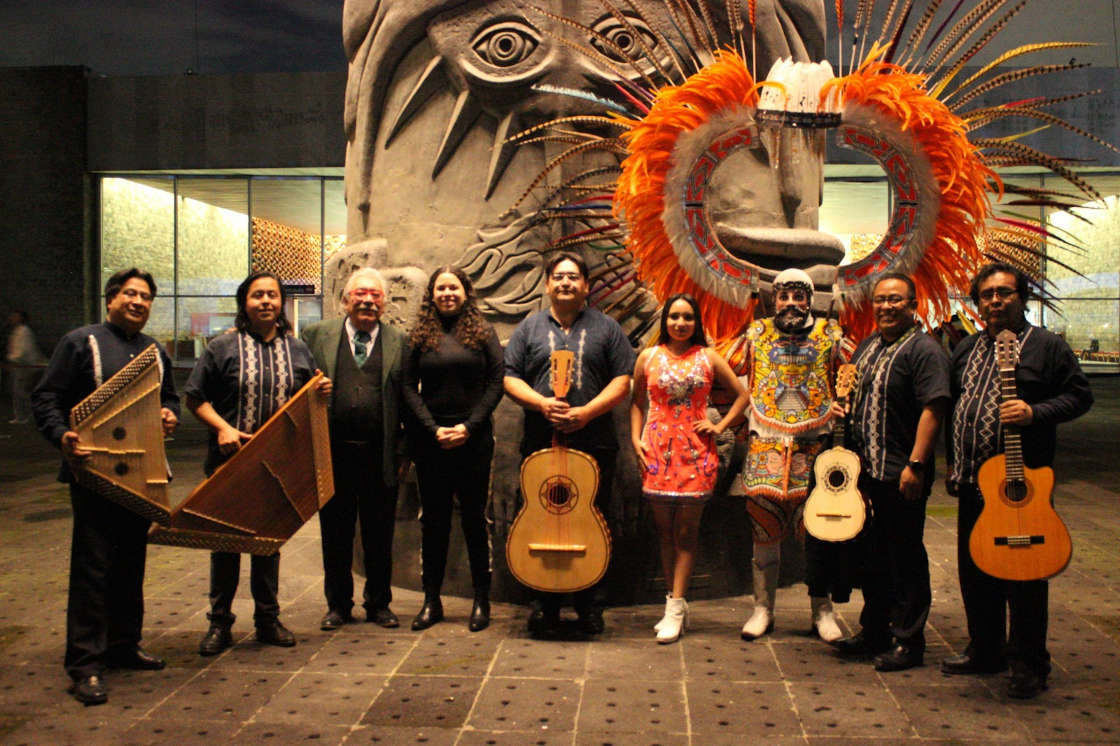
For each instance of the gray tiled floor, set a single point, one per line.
(365, 685)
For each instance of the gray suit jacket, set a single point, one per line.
(324, 337)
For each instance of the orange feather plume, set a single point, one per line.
(964, 180)
(639, 196)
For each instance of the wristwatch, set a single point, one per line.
(917, 467)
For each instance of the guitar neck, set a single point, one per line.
(1012, 440)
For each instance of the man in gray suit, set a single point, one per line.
(363, 357)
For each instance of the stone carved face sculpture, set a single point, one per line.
(436, 89)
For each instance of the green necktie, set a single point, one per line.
(361, 348)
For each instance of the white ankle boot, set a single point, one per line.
(761, 622)
(824, 621)
(675, 621)
(661, 622)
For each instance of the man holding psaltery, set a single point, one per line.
(105, 612)
(603, 360)
(1050, 389)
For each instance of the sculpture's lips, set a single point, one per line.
(779, 248)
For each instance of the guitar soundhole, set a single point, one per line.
(1016, 490)
(119, 433)
(837, 478)
(558, 494)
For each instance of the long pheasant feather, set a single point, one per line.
(1014, 77)
(1018, 52)
(964, 59)
(972, 22)
(593, 54)
(1041, 116)
(638, 37)
(1029, 156)
(919, 31)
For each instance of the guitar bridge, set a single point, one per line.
(573, 548)
(1019, 541)
(833, 515)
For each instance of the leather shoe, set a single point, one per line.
(860, 644)
(137, 660)
(430, 613)
(898, 658)
(480, 615)
(967, 664)
(216, 640)
(544, 621)
(334, 620)
(383, 617)
(591, 621)
(275, 633)
(1025, 684)
(89, 691)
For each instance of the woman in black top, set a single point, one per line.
(452, 383)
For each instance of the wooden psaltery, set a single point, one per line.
(119, 424)
(266, 491)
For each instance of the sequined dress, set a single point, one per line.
(683, 463)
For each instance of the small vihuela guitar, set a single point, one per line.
(835, 510)
(559, 541)
(1018, 535)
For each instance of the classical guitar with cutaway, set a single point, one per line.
(559, 541)
(835, 510)
(1018, 535)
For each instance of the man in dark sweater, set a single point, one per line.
(364, 359)
(1050, 389)
(109, 547)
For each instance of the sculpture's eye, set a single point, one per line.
(623, 37)
(505, 44)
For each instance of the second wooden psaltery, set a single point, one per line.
(559, 541)
(835, 510)
(1018, 535)
(267, 490)
(119, 424)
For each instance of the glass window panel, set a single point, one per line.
(213, 235)
(138, 229)
(287, 230)
(200, 320)
(302, 310)
(856, 212)
(334, 212)
(1091, 329)
(1096, 227)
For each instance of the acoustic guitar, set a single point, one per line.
(835, 510)
(559, 541)
(1018, 535)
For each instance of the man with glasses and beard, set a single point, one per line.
(791, 362)
(1050, 389)
(902, 399)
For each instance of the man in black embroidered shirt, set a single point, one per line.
(902, 398)
(1051, 389)
(109, 548)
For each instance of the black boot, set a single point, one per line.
(480, 614)
(430, 613)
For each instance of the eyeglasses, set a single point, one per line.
(569, 276)
(133, 294)
(1003, 292)
(367, 293)
(889, 300)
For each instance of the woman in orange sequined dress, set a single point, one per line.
(675, 444)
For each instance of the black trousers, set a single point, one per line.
(441, 475)
(896, 588)
(987, 599)
(596, 594)
(360, 492)
(264, 583)
(105, 611)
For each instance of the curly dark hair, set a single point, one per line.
(470, 327)
(1022, 282)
